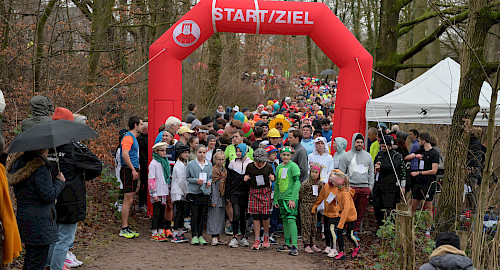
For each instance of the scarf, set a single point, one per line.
(166, 166)
(220, 174)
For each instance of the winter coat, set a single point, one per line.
(235, 175)
(78, 164)
(193, 171)
(178, 189)
(325, 159)
(355, 160)
(387, 181)
(41, 109)
(36, 191)
(340, 151)
(447, 257)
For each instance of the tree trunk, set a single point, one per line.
(101, 18)
(386, 48)
(210, 93)
(40, 27)
(471, 79)
(419, 8)
(309, 55)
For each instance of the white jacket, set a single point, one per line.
(156, 180)
(326, 160)
(179, 183)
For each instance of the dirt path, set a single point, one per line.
(141, 253)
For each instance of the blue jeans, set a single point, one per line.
(58, 250)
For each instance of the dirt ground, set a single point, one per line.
(141, 253)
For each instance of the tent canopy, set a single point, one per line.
(429, 99)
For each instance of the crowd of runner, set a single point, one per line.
(270, 169)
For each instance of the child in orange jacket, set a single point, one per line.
(347, 213)
(327, 196)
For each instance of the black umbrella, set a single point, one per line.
(51, 134)
(328, 72)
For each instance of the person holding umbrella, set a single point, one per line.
(36, 192)
(78, 164)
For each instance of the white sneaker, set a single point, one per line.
(73, 258)
(333, 253)
(327, 250)
(215, 242)
(70, 264)
(233, 243)
(244, 242)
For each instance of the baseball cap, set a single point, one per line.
(184, 129)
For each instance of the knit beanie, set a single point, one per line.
(62, 113)
(448, 238)
(211, 137)
(359, 137)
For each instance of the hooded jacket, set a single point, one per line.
(358, 166)
(341, 147)
(36, 192)
(325, 159)
(448, 257)
(78, 164)
(41, 109)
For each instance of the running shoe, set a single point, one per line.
(333, 253)
(272, 241)
(158, 238)
(355, 252)
(168, 233)
(316, 249)
(256, 244)
(136, 234)
(294, 251)
(126, 234)
(327, 250)
(233, 243)
(244, 242)
(341, 256)
(229, 230)
(283, 248)
(266, 243)
(184, 238)
(176, 239)
(65, 267)
(215, 241)
(202, 241)
(308, 249)
(73, 257)
(195, 241)
(70, 264)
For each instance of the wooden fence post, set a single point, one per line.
(406, 236)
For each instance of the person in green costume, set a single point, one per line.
(286, 195)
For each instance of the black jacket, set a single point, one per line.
(78, 164)
(36, 192)
(235, 185)
(387, 181)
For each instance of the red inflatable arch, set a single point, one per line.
(260, 17)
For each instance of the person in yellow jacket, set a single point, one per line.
(347, 213)
(11, 243)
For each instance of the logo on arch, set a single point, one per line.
(186, 33)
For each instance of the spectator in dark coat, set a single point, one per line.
(36, 192)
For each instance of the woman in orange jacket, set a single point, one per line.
(347, 213)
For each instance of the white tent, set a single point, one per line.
(429, 99)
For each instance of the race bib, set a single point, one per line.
(330, 198)
(203, 176)
(361, 169)
(284, 172)
(421, 165)
(315, 190)
(260, 180)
